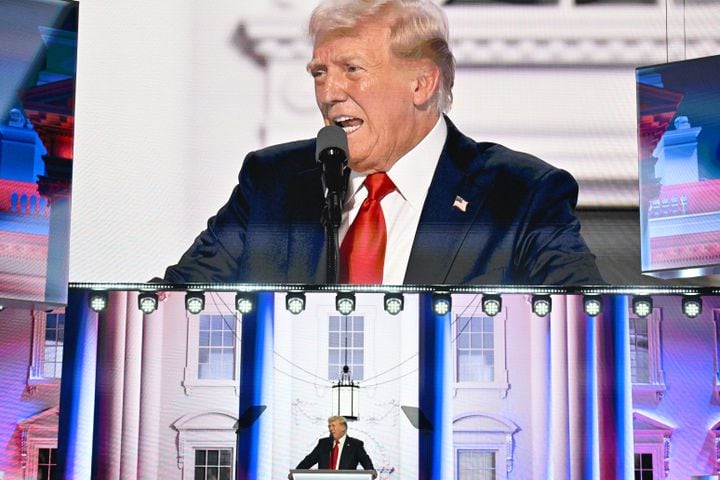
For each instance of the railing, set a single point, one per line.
(22, 198)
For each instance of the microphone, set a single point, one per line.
(331, 153)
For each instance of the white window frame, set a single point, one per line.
(36, 432)
(495, 453)
(341, 347)
(489, 433)
(716, 331)
(191, 380)
(204, 430)
(36, 460)
(196, 447)
(655, 388)
(365, 309)
(657, 455)
(501, 383)
(653, 436)
(35, 376)
(715, 431)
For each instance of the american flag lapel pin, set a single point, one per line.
(460, 203)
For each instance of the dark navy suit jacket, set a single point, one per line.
(519, 226)
(352, 455)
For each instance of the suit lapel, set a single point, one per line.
(345, 455)
(306, 235)
(443, 228)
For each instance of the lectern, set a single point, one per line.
(332, 474)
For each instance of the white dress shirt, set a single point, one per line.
(412, 175)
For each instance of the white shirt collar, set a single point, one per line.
(413, 172)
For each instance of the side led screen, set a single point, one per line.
(679, 164)
(38, 45)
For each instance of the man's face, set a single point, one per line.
(337, 429)
(363, 87)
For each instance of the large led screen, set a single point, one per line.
(510, 392)
(172, 101)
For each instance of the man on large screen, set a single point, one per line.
(424, 204)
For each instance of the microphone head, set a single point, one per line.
(331, 140)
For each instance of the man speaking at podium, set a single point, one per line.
(338, 451)
(424, 203)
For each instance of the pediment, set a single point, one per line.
(645, 424)
(45, 420)
(212, 420)
(484, 423)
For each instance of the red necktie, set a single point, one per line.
(333, 461)
(362, 254)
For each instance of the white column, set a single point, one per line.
(150, 391)
(408, 335)
(109, 388)
(583, 451)
(283, 393)
(447, 452)
(540, 388)
(131, 391)
(559, 439)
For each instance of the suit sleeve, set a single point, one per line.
(550, 249)
(364, 458)
(311, 459)
(215, 254)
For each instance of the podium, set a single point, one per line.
(332, 474)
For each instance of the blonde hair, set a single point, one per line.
(418, 31)
(338, 418)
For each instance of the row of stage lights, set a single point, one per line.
(394, 303)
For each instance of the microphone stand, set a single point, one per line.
(332, 218)
(334, 179)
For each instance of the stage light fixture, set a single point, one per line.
(148, 302)
(642, 306)
(441, 302)
(244, 302)
(541, 305)
(692, 305)
(592, 305)
(394, 303)
(194, 302)
(491, 305)
(345, 303)
(98, 300)
(295, 302)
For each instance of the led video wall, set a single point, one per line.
(679, 150)
(38, 51)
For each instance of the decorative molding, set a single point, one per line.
(37, 431)
(391, 409)
(653, 435)
(655, 389)
(300, 410)
(615, 35)
(715, 431)
(495, 433)
(210, 429)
